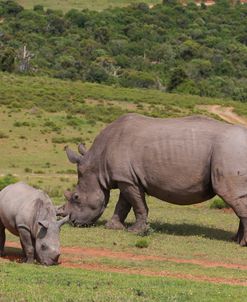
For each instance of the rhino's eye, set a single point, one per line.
(75, 197)
(43, 247)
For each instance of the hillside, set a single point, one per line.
(82, 4)
(40, 115)
(171, 47)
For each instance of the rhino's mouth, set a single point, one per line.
(49, 262)
(79, 224)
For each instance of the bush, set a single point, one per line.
(218, 203)
(142, 243)
(11, 7)
(178, 76)
(64, 140)
(133, 78)
(7, 59)
(96, 74)
(3, 135)
(7, 180)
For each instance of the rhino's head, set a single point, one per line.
(87, 203)
(47, 244)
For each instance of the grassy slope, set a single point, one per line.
(37, 111)
(82, 4)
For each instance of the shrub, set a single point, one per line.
(142, 243)
(3, 135)
(7, 59)
(96, 74)
(139, 79)
(21, 124)
(7, 180)
(218, 203)
(68, 171)
(64, 140)
(178, 76)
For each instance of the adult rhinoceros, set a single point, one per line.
(180, 160)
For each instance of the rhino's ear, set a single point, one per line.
(68, 195)
(82, 149)
(60, 210)
(44, 223)
(73, 157)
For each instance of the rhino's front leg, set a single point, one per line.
(2, 239)
(120, 213)
(136, 197)
(27, 244)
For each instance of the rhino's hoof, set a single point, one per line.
(114, 225)
(2, 254)
(243, 242)
(138, 229)
(29, 260)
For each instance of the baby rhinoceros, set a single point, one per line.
(29, 213)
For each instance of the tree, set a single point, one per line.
(96, 73)
(11, 7)
(102, 34)
(178, 76)
(132, 78)
(24, 57)
(7, 59)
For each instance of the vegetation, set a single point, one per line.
(142, 243)
(184, 49)
(96, 5)
(218, 203)
(7, 180)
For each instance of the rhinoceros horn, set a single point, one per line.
(63, 221)
(59, 210)
(82, 149)
(73, 157)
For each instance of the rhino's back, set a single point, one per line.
(170, 158)
(17, 204)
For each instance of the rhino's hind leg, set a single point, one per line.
(120, 213)
(2, 239)
(136, 198)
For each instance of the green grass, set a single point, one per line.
(35, 283)
(38, 117)
(82, 4)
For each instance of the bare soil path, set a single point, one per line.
(73, 257)
(226, 113)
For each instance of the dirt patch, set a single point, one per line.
(94, 252)
(226, 113)
(145, 272)
(72, 257)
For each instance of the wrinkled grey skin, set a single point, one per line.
(181, 160)
(28, 213)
